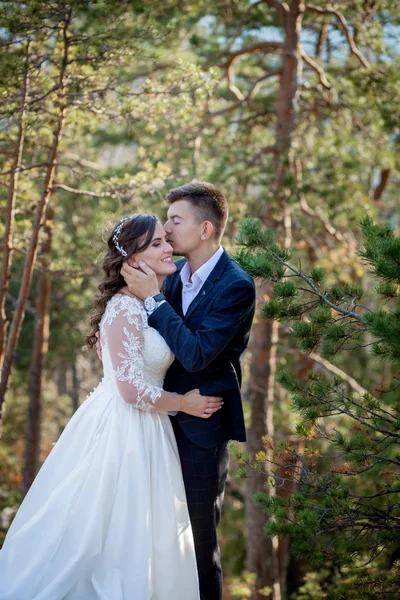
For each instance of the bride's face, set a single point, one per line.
(158, 255)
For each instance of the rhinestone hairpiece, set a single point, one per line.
(116, 234)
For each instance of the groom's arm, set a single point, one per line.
(195, 350)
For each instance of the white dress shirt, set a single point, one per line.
(190, 289)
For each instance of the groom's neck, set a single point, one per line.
(199, 256)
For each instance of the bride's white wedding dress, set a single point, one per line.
(106, 518)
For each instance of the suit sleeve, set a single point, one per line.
(195, 350)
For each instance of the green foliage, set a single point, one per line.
(150, 106)
(254, 236)
(333, 316)
(348, 504)
(318, 275)
(381, 250)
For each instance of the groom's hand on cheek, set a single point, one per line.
(141, 281)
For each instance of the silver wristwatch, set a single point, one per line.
(153, 302)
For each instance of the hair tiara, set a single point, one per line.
(117, 231)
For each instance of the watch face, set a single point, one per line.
(150, 303)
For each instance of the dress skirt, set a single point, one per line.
(106, 518)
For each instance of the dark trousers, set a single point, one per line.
(204, 474)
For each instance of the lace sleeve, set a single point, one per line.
(124, 332)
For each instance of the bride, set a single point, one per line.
(106, 517)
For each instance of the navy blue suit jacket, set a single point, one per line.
(207, 343)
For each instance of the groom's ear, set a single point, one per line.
(207, 231)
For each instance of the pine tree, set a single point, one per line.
(345, 511)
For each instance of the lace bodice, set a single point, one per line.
(134, 354)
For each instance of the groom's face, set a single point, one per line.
(183, 227)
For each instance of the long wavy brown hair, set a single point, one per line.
(134, 236)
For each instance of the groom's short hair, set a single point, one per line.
(208, 201)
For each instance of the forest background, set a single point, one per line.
(293, 109)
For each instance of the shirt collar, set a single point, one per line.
(202, 272)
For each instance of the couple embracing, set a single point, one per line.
(127, 504)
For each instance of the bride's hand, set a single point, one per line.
(140, 279)
(193, 403)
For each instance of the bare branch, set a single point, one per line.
(76, 191)
(48, 93)
(334, 369)
(270, 149)
(317, 68)
(328, 226)
(81, 161)
(281, 7)
(259, 47)
(259, 81)
(253, 92)
(232, 87)
(24, 168)
(13, 301)
(343, 26)
(308, 210)
(322, 36)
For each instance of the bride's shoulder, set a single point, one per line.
(130, 307)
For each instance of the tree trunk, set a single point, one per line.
(264, 556)
(261, 556)
(39, 351)
(382, 185)
(288, 88)
(10, 209)
(30, 261)
(304, 364)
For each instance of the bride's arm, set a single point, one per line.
(125, 345)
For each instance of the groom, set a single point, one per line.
(204, 315)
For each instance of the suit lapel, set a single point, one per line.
(203, 293)
(208, 284)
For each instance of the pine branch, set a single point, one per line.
(347, 313)
(346, 411)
